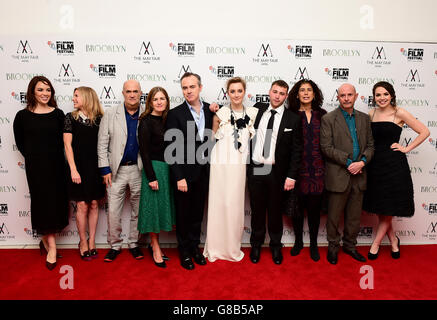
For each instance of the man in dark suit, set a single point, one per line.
(346, 141)
(191, 123)
(275, 158)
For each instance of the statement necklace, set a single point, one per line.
(238, 124)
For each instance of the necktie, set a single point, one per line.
(268, 137)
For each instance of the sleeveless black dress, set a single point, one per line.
(389, 184)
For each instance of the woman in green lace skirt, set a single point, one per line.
(157, 211)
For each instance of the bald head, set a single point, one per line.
(132, 94)
(347, 95)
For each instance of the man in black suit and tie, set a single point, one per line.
(274, 163)
(191, 123)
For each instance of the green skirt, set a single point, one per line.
(157, 209)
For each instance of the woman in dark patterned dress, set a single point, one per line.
(38, 135)
(85, 183)
(306, 99)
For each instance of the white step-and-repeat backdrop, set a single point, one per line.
(104, 64)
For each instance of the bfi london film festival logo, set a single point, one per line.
(413, 54)
(21, 165)
(24, 52)
(265, 55)
(3, 209)
(66, 75)
(20, 97)
(430, 208)
(143, 99)
(431, 231)
(146, 54)
(183, 49)
(108, 98)
(433, 142)
(338, 74)
(263, 98)
(223, 72)
(413, 81)
(105, 71)
(379, 58)
(368, 101)
(301, 52)
(62, 48)
(181, 72)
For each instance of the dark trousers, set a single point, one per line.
(190, 208)
(266, 193)
(312, 204)
(350, 202)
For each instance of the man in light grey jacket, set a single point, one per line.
(120, 165)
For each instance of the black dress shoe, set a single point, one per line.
(372, 256)
(332, 257)
(355, 254)
(314, 253)
(50, 265)
(111, 255)
(164, 257)
(298, 246)
(136, 253)
(187, 263)
(255, 254)
(198, 257)
(397, 254)
(276, 255)
(43, 250)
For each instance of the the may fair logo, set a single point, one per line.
(108, 98)
(333, 102)
(413, 81)
(431, 231)
(181, 72)
(265, 55)
(368, 101)
(24, 52)
(105, 70)
(20, 96)
(301, 52)
(413, 54)
(430, 208)
(183, 49)
(433, 170)
(66, 75)
(264, 98)
(379, 58)
(63, 48)
(338, 74)
(146, 54)
(223, 72)
(3, 169)
(222, 97)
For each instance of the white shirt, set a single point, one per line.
(261, 133)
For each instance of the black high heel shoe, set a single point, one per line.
(50, 265)
(397, 254)
(164, 257)
(86, 256)
(373, 256)
(93, 252)
(43, 250)
(158, 264)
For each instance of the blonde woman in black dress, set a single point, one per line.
(38, 135)
(85, 182)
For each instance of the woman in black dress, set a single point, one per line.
(389, 186)
(38, 135)
(85, 185)
(306, 99)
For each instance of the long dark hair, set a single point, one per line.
(294, 102)
(149, 104)
(30, 95)
(387, 86)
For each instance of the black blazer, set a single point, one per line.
(289, 144)
(179, 118)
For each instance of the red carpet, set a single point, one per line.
(23, 276)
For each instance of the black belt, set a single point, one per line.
(128, 163)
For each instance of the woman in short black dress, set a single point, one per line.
(306, 99)
(38, 135)
(86, 184)
(389, 186)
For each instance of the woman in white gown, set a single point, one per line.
(233, 127)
